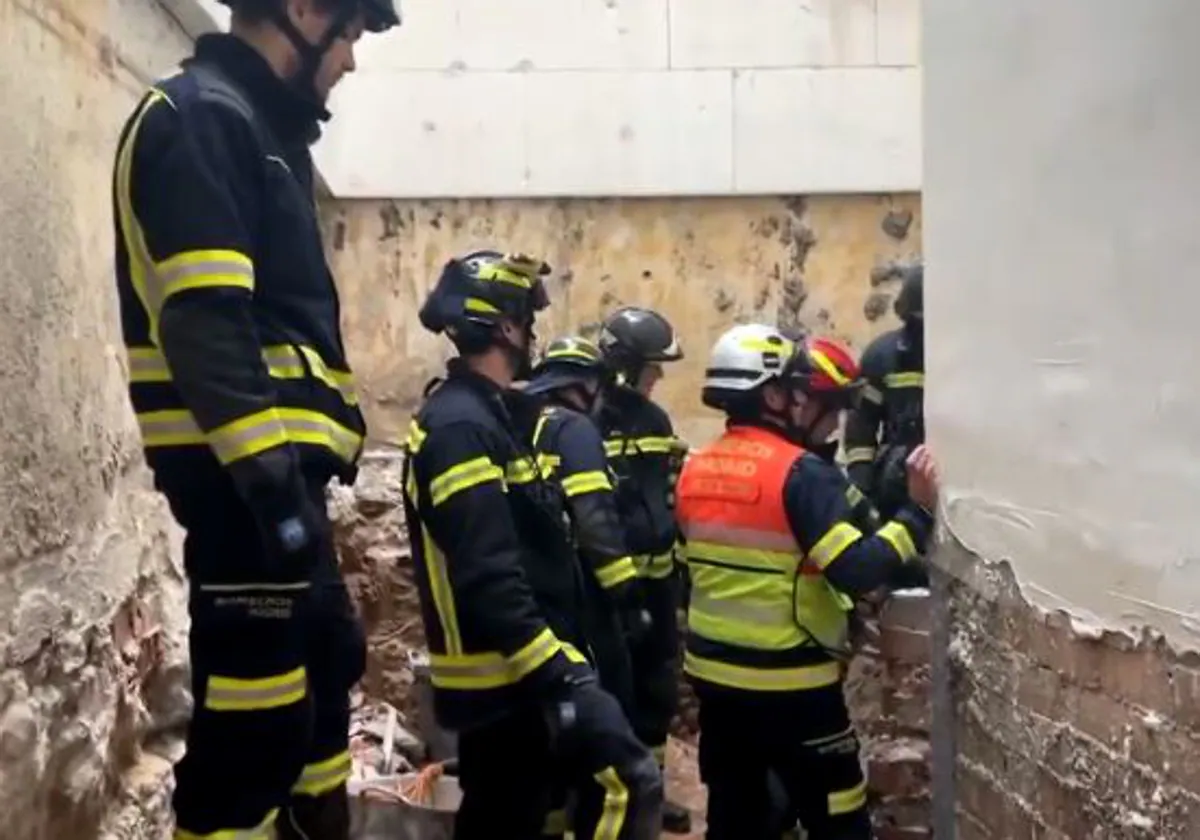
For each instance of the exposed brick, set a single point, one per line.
(899, 768)
(902, 813)
(900, 645)
(907, 612)
(968, 827)
(1064, 735)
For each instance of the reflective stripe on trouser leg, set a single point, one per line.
(249, 734)
(336, 646)
(619, 789)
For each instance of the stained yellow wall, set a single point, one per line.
(706, 263)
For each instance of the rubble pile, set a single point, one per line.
(372, 540)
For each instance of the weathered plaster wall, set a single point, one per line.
(1060, 189)
(825, 261)
(89, 609)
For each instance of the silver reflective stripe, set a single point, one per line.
(736, 537)
(177, 275)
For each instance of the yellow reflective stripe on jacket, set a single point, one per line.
(234, 694)
(250, 435)
(323, 776)
(480, 671)
(141, 266)
(435, 566)
(592, 481)
(263, 831)
(616, 805)
(616, 572)
(848, 801)
(860, 455)
(655, 566)
(898, 537)
(204, 269)
(835, 541)
(283, 361)
(414, 440)
(524, 470)
(907, 379)
(799, 678)
(639, 445)
(462, 477)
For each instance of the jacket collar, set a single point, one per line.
(294, 117)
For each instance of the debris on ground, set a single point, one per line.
(381, 741)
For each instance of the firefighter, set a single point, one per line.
(500, 586)
(571, 377)
(645, 455)
(769, 548)
(247, 408)
(889, 422)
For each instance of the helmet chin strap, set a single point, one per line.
(520, 359)
(311, 54)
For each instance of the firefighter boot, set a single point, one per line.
(324, 817)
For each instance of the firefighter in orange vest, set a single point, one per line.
(770, 548)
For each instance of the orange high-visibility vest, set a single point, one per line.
(762, 613)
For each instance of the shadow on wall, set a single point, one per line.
(827, 262)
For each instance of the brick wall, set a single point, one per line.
(888, 692)
(1064, 730)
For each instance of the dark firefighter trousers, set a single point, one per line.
(805, 739)
(656, 665)
(513, 771)
(272, 668)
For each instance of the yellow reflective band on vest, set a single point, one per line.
(748, 591)
(263, 831)
(320, 777)
(232, 694)
(797, 678)
(477, 671)
(283, 361)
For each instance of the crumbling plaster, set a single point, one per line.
(90, 595)
(1062, 379)
(823, 261)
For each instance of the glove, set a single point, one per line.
(912, 574)
(635, 620)
(294, 530)
(561, 707)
